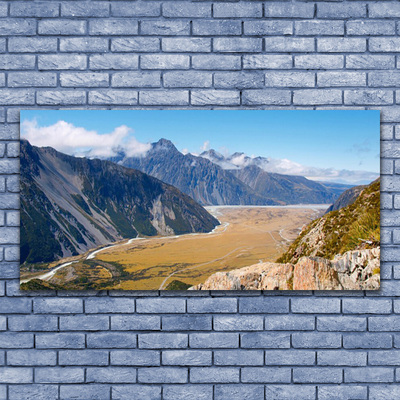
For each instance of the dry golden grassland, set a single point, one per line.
(247, 235)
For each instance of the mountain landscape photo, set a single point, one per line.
(190, 200)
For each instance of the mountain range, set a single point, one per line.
(212, 179)
(70, 205)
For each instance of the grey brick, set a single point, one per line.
(325, 306)
(32, 323)
(265, 61)
(164, 61)
(179, 392)
(16, 375)
(387, 323)
(163, 340)
(290, 357)
(367, 341)
(83, 357)
(31, 357)
(217, 62)
(318, 27)
(341, 323)
(285, 45)
(319, 61)
(84, 322)
(165, 28)
(32, 45)
(264, 340)
(107, 305)
(289, 79)
(32, 79)
(181, 9)
(17, 61)
(109, 96)
(342, 78)
(60, 375)
(263, 305)
(368, 97)
(135, 322)
(382, 10)
(60, 340)
(113, 61)
(241, 323)
(61, 61)
(366, 306)
(384, 78)
(344, 392)
(19, 26)
(111, 375)
(217, 27)
(215, 97)
(341, 45)
(61, 27)
(214, 375)
(346, 10)
(384, 357)
(260, 28)
(16, 340)
(316, 340)
(237, 45)
(289, 392)
(135, 44)
(187, 323)
(238, 357)
(212, 305)
(11, 253)
(288, 10)
(317, 96)
(317, 375)
(264, 375)
(140, 392)
(83, 79)
(370, 61)
(37, 392)
(384, 44)
(368, 375)
(186, 79)
(153, 97)
(34, 9)
(384, 392)
(15, 305)
(365, 27)
(342, 358)
(135, 357)
(162, 375)
(237, 10)
(111, 340)
(98, 392)
(289, 323)
(266, 96)
(235, 392)
(193, 45)
(186, 357)
(87, 45)
(57, 306)
(113, 27)
(85, 9)
(214, 340)
(57, 97)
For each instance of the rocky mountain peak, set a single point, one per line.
(164, 145)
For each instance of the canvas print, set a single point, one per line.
(200, 200)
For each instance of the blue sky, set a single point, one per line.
(323, 139)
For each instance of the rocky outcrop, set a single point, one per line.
(347, 198)
(354, 270)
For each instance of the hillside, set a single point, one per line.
(70, 205)
(356, 226)
(346, 198)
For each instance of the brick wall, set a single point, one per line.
(218, 345)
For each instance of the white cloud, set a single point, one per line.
(70, 139)
(206, 146)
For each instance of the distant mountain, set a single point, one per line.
(286, 188)
(70, 205)
(347, 198)
(206, 182)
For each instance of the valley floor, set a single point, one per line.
(247, 235)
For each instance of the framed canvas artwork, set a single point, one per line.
(200, 200)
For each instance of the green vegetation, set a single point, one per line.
(121, 223)
(356, 226)
(81, 203)
(178, 285)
